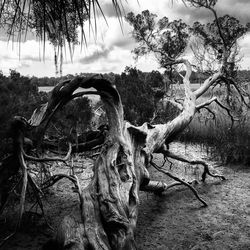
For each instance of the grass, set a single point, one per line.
(229, 144)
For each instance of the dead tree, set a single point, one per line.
(109, 205)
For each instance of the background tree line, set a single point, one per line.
(19, 96)
(141, 93)
(196, 77)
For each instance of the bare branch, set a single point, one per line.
(55, 178)
(157, 136)
(89, 145)
(37, 192)
(11, 191)
(240, 91)
(179, 180)
(211, 112)
(206, 103)
(195, 162)
(3, 241)
(188, 72)
(176, 104)
(215, 99)
(31, 158)
(228, 111)
(154, 186)
(218, 27)
(24, 187)
(208, 82)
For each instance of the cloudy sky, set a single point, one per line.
(111, 51)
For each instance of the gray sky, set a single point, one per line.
(111, 52)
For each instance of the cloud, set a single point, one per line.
(110, 49)
(190, 15)
(31, 52)
(25, 64)
(245, 51)
(118, 36)
(36, 58)
(97, 54)
(238, 9)
(108, 9)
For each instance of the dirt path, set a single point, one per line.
(173, 221)
(176, 220)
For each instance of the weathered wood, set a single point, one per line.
(109, 205)
(11, 165)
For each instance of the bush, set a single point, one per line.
(18, 96)
(72, 119)
(139, 93)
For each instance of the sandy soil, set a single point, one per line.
(173, 221)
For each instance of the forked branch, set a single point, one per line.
(180, 181)
(195, 162)
(216, 100)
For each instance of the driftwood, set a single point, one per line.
(109, 205)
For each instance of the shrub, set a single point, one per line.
(18, 96)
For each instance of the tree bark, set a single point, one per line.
(109, 205)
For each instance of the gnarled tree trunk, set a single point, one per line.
(109, 205)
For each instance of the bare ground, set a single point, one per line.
(173, 221)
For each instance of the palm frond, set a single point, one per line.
(56, 21)
(51, 19)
